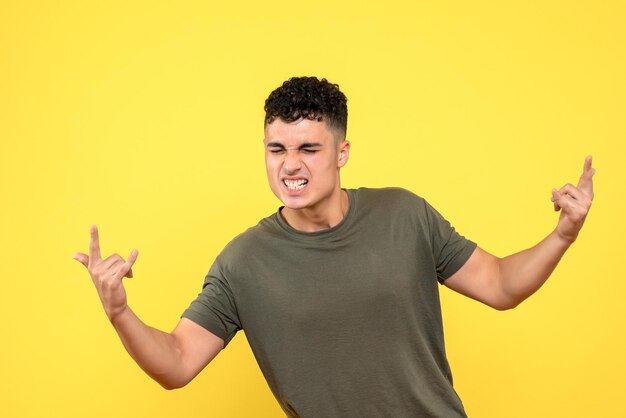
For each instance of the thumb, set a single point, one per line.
(556, 196)
(81, 258)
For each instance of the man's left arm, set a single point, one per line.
(503, 283)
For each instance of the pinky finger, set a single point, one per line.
(126, 270)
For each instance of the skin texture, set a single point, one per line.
(172, 359)
(503, 283)
(309, 150)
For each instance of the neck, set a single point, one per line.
(318, 218)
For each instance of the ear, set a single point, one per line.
(343, 154)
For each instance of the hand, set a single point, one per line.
(107, 275)
(574, 203)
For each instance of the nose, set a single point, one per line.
(292, 162)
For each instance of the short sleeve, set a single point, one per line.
(214, 308)
(450, 249)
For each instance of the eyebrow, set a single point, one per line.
(305, 145)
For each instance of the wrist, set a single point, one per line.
(564, 240)
(116, 315)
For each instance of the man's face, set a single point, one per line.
(302, 160)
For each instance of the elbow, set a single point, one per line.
(503, 299)
(172, 385)
(503, 307)
(169, 386)
(505, 304)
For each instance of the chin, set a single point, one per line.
(294, 203)
(289, 200)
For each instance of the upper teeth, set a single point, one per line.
(295, 184)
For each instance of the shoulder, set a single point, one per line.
(250, 241)
(389, 198)
(386, 192)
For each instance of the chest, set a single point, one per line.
(369, 279)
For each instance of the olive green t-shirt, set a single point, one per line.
(344, 322)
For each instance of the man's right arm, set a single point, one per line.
(172, 359)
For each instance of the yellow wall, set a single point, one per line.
(146, 119)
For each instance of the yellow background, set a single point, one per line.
(146, 119)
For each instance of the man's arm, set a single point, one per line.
(503, 283)
(172, 359)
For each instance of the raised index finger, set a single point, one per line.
(94, 245)
(585, 184)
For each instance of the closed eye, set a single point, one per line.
(306, 148)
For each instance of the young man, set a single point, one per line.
(338, 291)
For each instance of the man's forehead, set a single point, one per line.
(299, 131)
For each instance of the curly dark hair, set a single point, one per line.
(311, 98)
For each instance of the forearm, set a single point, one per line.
(156, 352)
(523, 273)
(503, 283)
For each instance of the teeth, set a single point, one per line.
(295, 184)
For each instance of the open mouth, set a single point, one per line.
(295, 184)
